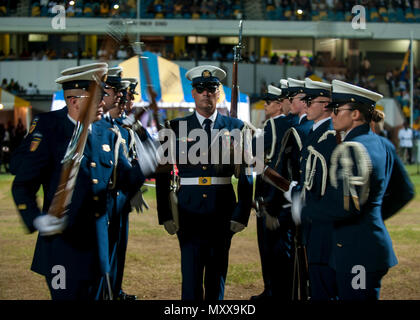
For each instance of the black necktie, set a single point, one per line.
(207, 124)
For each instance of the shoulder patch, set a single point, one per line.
(33, 125)
(35, 144)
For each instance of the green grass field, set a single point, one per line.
(153, 258)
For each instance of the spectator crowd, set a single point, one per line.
(313, 10)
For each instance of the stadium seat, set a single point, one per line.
(374, 15)
(417, 14)
(44, 11)
(383, 13)
(400, 15)
(271, 15)
(35, 10)
(409, 15)
(323, 15)
(287, 13)
(348, 16)
(392, 15)
(96, 9)
(339, 16)
(279, 13)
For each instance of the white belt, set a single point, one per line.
(205, 181)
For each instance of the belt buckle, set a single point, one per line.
(204, 181)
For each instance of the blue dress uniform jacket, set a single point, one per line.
(360, 237)
(123, 178)
(317, 234)
(37, 162)
(76, 249)
(122, 210)
(275, 246)
(205, 212)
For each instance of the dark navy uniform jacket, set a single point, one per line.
(201, 203)
(317, 233)
(288, 160)
(77, 247)
(358, 211)
(272, 195)
(37, 162)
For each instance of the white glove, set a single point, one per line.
(296, 209)
(138, 202)
(272, 223)
(170, 227)
(259, 133)
(130, 119)
(288, 193)
(49, 225)
(236, 226)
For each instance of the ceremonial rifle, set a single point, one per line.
(151, 93)
(235, 87)
(74, 152)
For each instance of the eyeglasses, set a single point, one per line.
(69, 97)
(336, 110)
(210, 88)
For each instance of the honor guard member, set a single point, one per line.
(122, 198)
(286, 104)
(70, 250)
(368, 184)
(287, 163)
(315, 157)
(274, 227)
(209, 214)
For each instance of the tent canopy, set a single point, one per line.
(173, 89)
(10, 101)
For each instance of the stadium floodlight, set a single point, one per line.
(1, 106)
(299, 11)
(116, 6)
(71, 3)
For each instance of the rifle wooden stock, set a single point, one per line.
(74, 154)
(272, 177)
(152, 94)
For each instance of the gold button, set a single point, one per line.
(204, 168)
(95, 181)
(204, 195)
(93, 164)
(96, 198)
(118, 193)
(339, 245)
